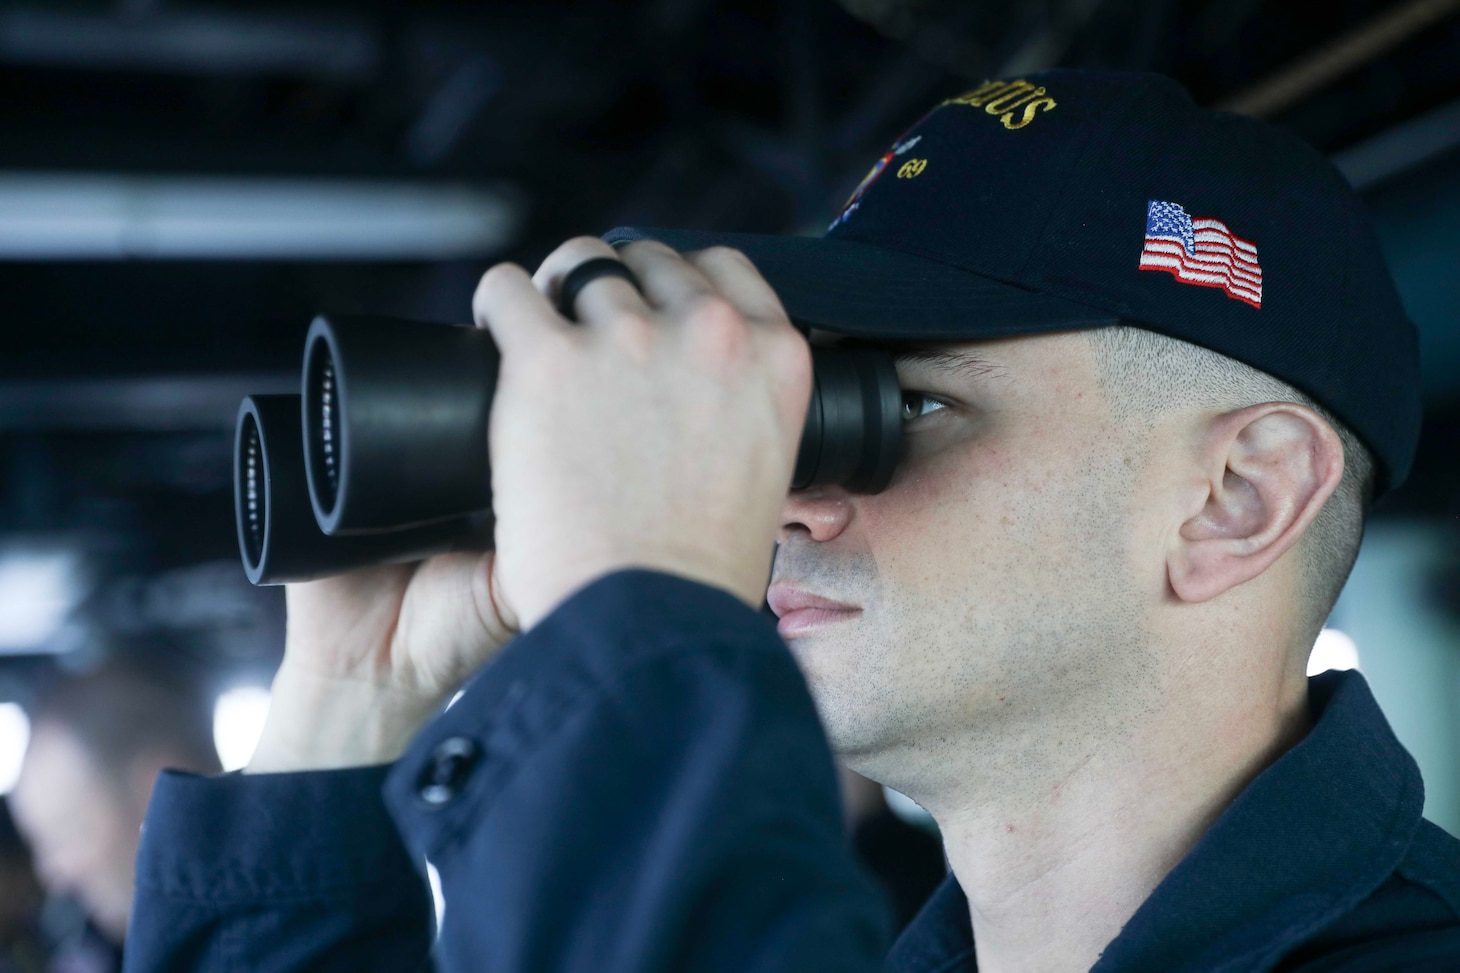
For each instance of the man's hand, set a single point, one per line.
(660, 431)
(371, 655)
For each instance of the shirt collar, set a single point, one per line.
(940, 937)
(1311, 836)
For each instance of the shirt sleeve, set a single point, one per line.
(640, 784)
(277, 872)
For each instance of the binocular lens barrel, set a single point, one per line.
(278, 536)
(396, 421)
(384, 456)
(395, 417)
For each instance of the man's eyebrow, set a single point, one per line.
(960, 363)
(964, 364)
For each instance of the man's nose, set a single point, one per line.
(822, 512)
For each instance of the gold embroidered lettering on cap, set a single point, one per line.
(978, 95)
(1006, 100)
(993, 94)
(1003, 99)
(1030, 109)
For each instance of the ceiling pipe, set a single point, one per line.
(1402, 147)
(1349, 51)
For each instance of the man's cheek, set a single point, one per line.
(934, 472)
(926, 503)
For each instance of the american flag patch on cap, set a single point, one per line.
(1201, 250)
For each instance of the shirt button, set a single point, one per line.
(446, 773)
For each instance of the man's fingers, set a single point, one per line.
(513, 310)
(603, 298)
(555, 266)
(732, 274)
(669, 281)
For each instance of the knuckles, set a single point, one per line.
(719, 337)
(634, 333)
(640, 247)
(492, 284)
(721, 255)
(497, 275)
(712, 311)
(792, 357)
(717, 328)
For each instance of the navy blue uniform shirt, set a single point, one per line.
(640, 783)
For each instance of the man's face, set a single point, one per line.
(82, 829)
(996, 594)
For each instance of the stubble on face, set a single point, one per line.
(1000, 633)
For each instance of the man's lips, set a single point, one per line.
(800, 611)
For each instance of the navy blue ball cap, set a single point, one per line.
(1075, 199)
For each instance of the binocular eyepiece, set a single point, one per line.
(383, 456)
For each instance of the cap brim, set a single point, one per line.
(862, 290)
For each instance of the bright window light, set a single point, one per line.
(437, 899)
(101, 216)
(14, 737)
(238, 719)
(37, 591)
(1333, 650)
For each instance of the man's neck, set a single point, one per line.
(1053, 874)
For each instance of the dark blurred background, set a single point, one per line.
(183, 185)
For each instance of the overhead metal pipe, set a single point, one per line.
(1353, 49)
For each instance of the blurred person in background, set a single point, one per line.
(21, 948)
(97, 744)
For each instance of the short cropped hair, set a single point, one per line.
(123, 710)
(1146, 374)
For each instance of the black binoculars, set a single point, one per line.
(382, 457)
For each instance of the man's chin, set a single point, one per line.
(815, 655)
(842, 710)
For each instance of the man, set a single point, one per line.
(97, 744)
(1154, 372)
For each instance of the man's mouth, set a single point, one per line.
(800, 611)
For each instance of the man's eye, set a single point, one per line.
(916, 405)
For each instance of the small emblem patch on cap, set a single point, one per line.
(1201, 250)
(855, 200)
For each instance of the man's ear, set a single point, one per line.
(1265, 472)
